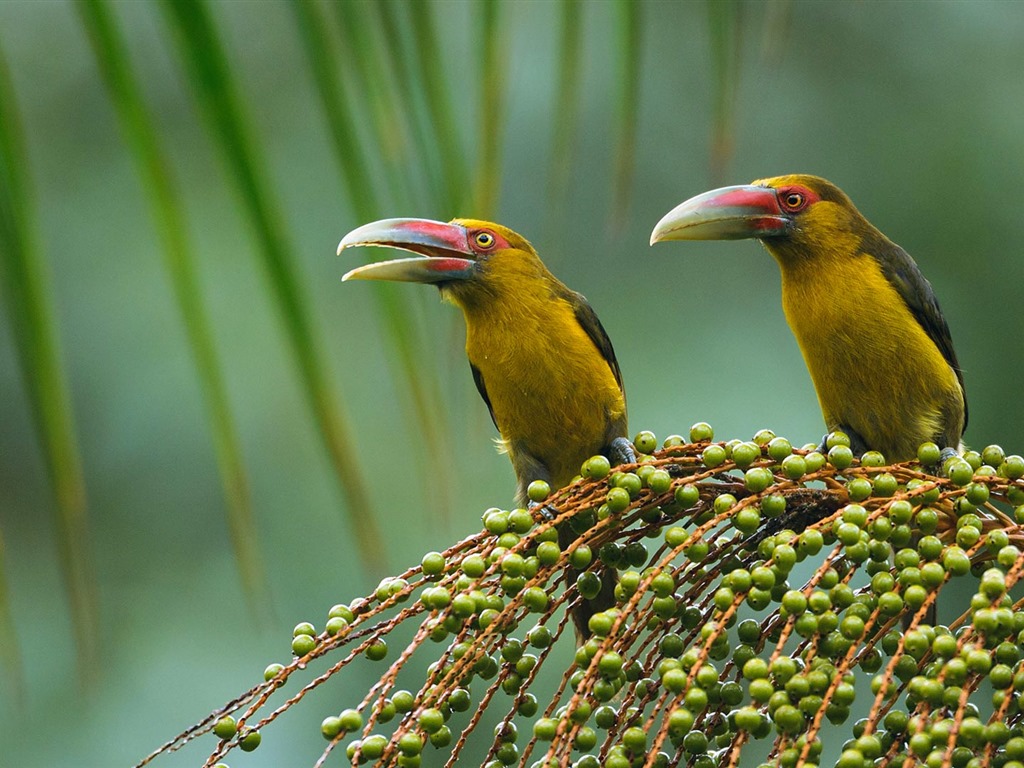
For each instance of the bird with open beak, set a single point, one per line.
(540, 357)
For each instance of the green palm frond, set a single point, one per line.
(29, 304)
(630, 50)
(723, 32)
(10, 654)
(210, 75)
(168, 214)
(491, 102)
(412, 368)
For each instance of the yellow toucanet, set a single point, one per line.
(539, 356)
(867, 321)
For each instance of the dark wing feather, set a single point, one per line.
(478, 378)
(901, 270)
(588, 320)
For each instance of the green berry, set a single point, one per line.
(840, 456)
(757, 479)
(1012, 467)
(713, 456)
(538, 490)
(548, 553)
(959, 471)
(745, 454)
(331, 727)
(303, 644)
(617, 500)
(225, 728)
(581, 557)
(747, 520)
(794, 466)
(335, 625)
(473, 566)
(779, 448)
(872, 459)
(929, 454)
(250, 741)
(687, 495)
(596, 467)
(884, 485)
(660, 481)
(377, 651)
(701, 431)
(433, 564)
(645, 442)
(272, 671)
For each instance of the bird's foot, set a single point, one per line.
(547, 512)
(621, 451)
(946, 454)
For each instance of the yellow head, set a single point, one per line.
(471, 261)
(798, 216)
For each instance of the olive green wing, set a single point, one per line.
(905, 276)
(478, 379)
(589, 322)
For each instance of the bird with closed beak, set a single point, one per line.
(867, 321)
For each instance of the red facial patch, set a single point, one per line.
(486, 240)
(447, 265)
(745, 197)
(438, 231)
(795, 198)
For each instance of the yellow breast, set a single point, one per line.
(552, 393)
(874, 367)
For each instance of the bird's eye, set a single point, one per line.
(484, 240)
(793, 201)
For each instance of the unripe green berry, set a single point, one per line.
(687, 495)
(596, 467)
(272, 671)
(645, 442)
(538, 490)
(225, 728)
(929, 454)
(840, 456)
(701, 431)
(250, 741)
(303, 644)
(713, 456)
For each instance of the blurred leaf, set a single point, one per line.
(10, 655)
(208, 69)
(492, 58)
(415, 370)
(169, 218)
(427, 49)
(774, 29)
(566, 104)
(26, 289)
(363, 48)
(630, 53)
(723, 31)
(356, 176)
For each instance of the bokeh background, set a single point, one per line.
(578, 125)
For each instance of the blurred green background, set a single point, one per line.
(578, 125)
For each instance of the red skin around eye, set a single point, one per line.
(809, 197)
(499, 241)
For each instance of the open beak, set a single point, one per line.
(443, 251)
(729, 213)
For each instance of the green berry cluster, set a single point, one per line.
(766, 597)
